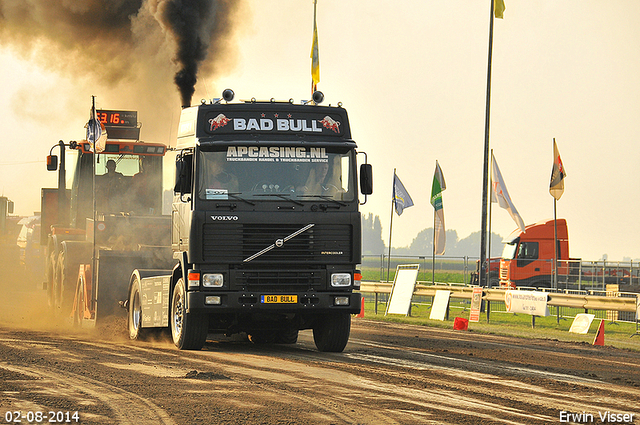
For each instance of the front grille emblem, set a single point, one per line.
(279, 243)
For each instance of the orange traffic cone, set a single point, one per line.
(361, 314)
(599, 339)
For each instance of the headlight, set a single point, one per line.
(212, 280)
(341, 279)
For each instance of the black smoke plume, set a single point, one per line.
(118, 40)
(196, 25)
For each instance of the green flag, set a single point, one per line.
(439, 234)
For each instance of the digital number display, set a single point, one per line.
(117, 118)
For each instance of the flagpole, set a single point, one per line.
(490, 208)
(93, 178)
(555, 240)
(485, 165)
(393, 200)
(433, 257)
(314, 48)
(555, 247)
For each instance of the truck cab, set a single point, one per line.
(528, 257)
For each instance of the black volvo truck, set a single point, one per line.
(266, 229)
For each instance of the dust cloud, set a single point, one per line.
(138, 53)
(24, 305)
(143, 55)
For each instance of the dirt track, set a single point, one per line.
(388, 374)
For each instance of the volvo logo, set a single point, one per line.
(224, 217)
(279, 243)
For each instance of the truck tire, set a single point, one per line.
(331, 332)
(188, 330)
(134, 314)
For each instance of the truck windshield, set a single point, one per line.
(509, 250)
(277, 172)
(129, 183)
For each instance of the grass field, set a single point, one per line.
(374, 269)
(373, 274)
(617, 334)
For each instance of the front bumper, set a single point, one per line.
(245, 302)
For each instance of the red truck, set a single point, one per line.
(527, 260)
(527, 257)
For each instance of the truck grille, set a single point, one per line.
(504, 273)
(235, 242)
(278, 280)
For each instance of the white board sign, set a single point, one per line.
(440, 305)
(582, 323)
(404, 284)
(527, 302)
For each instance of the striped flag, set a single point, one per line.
(500, 194)
(558, 173)
(401, 198)
(96, 135)
(436, 200)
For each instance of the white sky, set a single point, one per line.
(412, 76)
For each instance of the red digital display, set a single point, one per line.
(117, 118)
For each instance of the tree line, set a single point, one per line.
(373, 242)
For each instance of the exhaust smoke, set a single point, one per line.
(196, 25)
(126, 41)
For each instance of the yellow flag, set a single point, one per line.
(498, 8)
(315, 59)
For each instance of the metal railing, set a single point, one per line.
(612, 301)
(572, 274)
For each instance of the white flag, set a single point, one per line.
(500, 194)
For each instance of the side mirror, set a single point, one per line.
(366, 179)
(184, 167)
(52, 162)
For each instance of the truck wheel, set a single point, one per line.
(188, 330)
(331, 332)
(134, 315)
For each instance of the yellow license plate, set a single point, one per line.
(279, 299)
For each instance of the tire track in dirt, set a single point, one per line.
(124, 407)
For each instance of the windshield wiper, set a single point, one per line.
(286, 197)
(326, 198)
(239, 198)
